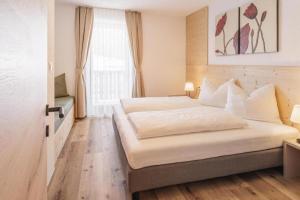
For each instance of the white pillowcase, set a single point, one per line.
(261, 105)
(212, 95)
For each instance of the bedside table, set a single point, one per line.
(291, 159)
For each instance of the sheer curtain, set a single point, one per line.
(110, 68)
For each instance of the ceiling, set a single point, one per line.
(168, 7)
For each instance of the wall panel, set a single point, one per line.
(197, 45)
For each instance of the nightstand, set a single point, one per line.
(291, 159)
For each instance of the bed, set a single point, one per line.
(63, 126)
(158, 162)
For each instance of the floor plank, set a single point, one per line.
(88, 169)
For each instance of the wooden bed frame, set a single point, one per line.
(147, 178)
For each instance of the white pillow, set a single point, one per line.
(261, 105)
(212, 95)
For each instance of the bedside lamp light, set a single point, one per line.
(295, 118)
(296, 114)
(189, 87)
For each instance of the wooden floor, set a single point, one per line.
(88, 169)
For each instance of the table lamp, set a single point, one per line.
(295, 118)
(189, 87)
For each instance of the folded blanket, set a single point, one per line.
(157, 103)
(183, 121)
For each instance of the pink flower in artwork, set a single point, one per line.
(221, 24)
(244, 38)
(251, 12)
(236, 42)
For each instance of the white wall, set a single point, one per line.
(65, 52)
(289, 53)
(164, 51)
(164, 54)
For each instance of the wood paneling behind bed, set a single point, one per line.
(197, 44)
(286, 80)
(197, 37)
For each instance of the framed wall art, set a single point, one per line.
(259, 27)
(250, 29)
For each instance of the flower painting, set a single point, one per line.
(227, 33)
(259, 25)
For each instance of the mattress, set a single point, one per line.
(65, 102)
(257, 136)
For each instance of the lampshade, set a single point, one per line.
(296, 114)
(189, 87)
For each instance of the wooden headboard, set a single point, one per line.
(286, 80)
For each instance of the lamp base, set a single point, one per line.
(188, 93)
(298, 140)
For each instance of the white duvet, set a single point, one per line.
(183, 121)
(157, 103)
(257, 136)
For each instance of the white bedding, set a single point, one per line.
(180, 148)
(152, 124)
(157, 103)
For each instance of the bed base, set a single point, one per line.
(147, 178)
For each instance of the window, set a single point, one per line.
(110, 68)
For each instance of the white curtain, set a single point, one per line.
(109, 73)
